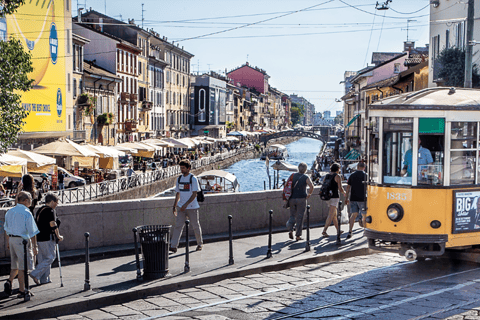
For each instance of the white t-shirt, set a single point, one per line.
(186, 190)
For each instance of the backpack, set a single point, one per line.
(287, 189)
(326, 190)
(200, 195)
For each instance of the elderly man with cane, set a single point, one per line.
(46, 239)
(20, 225)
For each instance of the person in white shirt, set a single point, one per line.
(186, 206)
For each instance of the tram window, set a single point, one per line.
(430, 159)
(463, 153)
(373, 169)
(398, 133)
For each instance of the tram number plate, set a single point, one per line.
(396, 196)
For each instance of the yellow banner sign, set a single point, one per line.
(40, 27)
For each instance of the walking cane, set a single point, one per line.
(59, 263)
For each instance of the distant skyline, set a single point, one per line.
(305, 46)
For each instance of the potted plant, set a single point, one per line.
(102, 120)
(110, 118)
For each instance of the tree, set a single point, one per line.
(15, 65)
(452, 70)
(296, 114)
(10, 6)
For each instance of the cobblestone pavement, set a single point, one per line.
(377, 286)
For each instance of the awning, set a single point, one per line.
(352, 121)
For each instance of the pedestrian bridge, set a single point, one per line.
(306, 134)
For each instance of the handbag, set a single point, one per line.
(288, 195)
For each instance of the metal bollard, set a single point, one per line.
(187, 249)
(230, 240)
(137, 255)
(86, 286)
(339, 220)
(270, 229)
(264, 185)
(25, 270)
(307, 243)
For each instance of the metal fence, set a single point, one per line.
(109, 187)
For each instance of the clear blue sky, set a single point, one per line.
(305, 46)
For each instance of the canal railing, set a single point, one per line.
(110, 187)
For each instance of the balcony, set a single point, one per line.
(124, 97)
(146, 106)
(133, 97)
(79, 135)
(130, 125)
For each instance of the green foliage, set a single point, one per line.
(296, 113)
(230, 125)
(105, 118)
(452, 61)
(15, 65)
(10, 6)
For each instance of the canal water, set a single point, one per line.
(252, 173)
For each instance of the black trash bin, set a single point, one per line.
(155, 241)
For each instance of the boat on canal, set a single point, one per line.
(213, 181)
(275, 152)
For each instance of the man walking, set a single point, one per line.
(186, 201)
(356, 196)
(298, 201)
(20, 225)
(46, 239)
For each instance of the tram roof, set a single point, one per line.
(439, 98)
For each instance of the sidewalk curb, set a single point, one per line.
(82, 304)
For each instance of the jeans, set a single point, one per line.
(192, 214)
(46, 256)
(297, 210)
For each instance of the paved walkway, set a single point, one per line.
(113, 281)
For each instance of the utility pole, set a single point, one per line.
(469, 48)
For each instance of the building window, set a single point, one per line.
(447, 38)
(68, 82)
(139, 67)
(74, 88)
(396, 68)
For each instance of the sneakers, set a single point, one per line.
(199, 247)
(22, 295)
(349, 235)
(172, 250)
(7, 287)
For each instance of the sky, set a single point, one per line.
(305, 46)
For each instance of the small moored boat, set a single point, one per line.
(275, 152)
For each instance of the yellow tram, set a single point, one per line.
(423, 193)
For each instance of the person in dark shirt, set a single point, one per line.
(47, 239)
(61, 177)
(356, 196)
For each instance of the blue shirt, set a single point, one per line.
(19, 222)
(424, 157)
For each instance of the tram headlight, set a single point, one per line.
(395, 212)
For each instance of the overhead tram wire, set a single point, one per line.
(381, 29)
(370, 38)
(389, 17)
(236, 37)
(409, 12)
(254, 23)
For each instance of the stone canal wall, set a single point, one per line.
(111, 222)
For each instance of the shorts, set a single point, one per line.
(357, 206)
(333, 202)
(17, 254)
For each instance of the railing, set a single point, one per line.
(79, 135)
(109, 187)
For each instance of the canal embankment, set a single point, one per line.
(154, 188)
